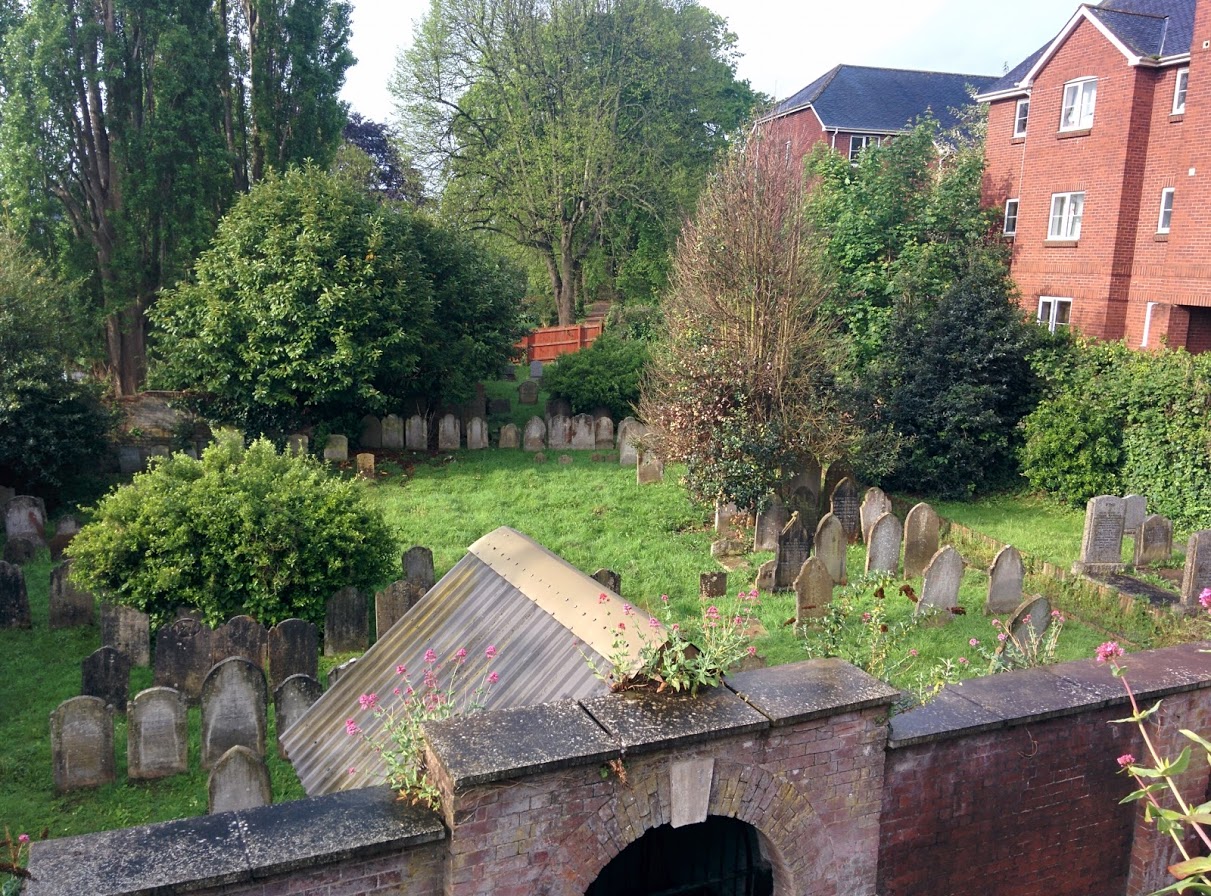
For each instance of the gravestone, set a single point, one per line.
(183, 656)
(830, 545)
(922, 534)
(603, 433)
(291, 699)
(565, 459)
(66, 530)
(241, 636)
(527, 392)
(806, 482)
(559, 432)
(794, 547)
(940, 589)
(883, 544)
(391, 604)
(1005, 578)
(843, 501)
(417, 564)
(875, 503)
(416, 433)
(393, 433)
(449, 435)
(499, 407)
(238, 781)
(630, 432)
(372, 432)
(583, 436)
(21, 549)
(25, 517)
(712, 584)
(335, 673)
(536, 370)
(836, 471)
(727, 519)
(1197, 574)
(770, 523)
(477, 434)
(69, 606)
(157, 740)
(765, 575)
(294, 649)
(1102, 541)
(609, 580)
(509, 436)
(649, 469)
(105, 673)
(1154, 542)
(127, 630)
(540, 458)
(1135, 508)
(336, 449)
(130, 460)
(534, 438)
(1030, 620)
(82, 744)
(346, 622)
(557, 407)
(298, 444)
(234, 709)
(813, 590)
(365, 466)
(806, 503)
(14, 599)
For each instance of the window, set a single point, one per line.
(859, 143)
(786, 152)
(1077, 110)
(1179, 91)
(1162, 224)
(1019, 118)
(1011, 217)
(1054, 312)
(1066, 212)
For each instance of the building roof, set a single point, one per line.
(882, 100)
(546, 619)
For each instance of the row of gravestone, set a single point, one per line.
(25, 530)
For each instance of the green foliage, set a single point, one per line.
(239, 531)
(606, 374)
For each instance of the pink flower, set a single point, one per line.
(1026, 619)
(752, 650)
(351, 727)
(395, 691)
(490, 653)
(626, 609)
(912, 652)
(368, 701)
(653, 622)
(430, 679)
(23, 838)
(352, 770)
(676, 627)
(996, 623)
(493, 678)
(1108, 651)
(411, 690)
(962, 661)
(1055, 614)
(737, 621)
(866, 617)
(664, 598)
(1125, 760)
(752, 595)
(1204, 599)
(974, 642)
(622, 626)
(601, 598)
(712, 612)
(430, 656)
(461, 655)
(1002, 636)
(401, 670)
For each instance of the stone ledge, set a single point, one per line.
(799, 692)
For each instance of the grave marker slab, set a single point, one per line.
(536, 370)
(583, 436)
(416, 433)
(922, 534)
(630, 431)
(765, 575)
(346, 622)
(336, 449)
(391, 604)
(477, 434)
(234, 709)
(127, 630)
(527, 392)
(1135, 508)
(1154, 542)
(883, 544)
(14, 599)
(291, 699)
(417, 564)
(813, 590)
(157, 742)
(609, 579)
(807, 478)
(25, 517)
(794, 547)
(1197, 573)
(105, 673)
(1030, 620)
(649, 469)
(940, 589)
(603, 433)
(21, 549)
(449, 433)
(294, 649)
(238, 781)
(535, 436)
(365, 466)
(509, 436)
(66, 530)
(372, 432)
(1102, 541)
(830, 545)
(875, 503)
(559, 432)
(844, 503)
(298, 444)
(836, 471)
(393, 433)
(183, 656)
(82, 744)
(241, 636)
(712, 584)
(69, 606)
(770, 523)
(1005, 578)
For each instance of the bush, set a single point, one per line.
(606, 374)
(239, 531)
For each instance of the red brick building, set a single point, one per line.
(1098, 152)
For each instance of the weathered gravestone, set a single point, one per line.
(291, 699)
(712, 584)
(65, 531)
(765, 575)
(241, 636)
(393, 433)
(294, 649)
(609, 580)
(836, 471)
(130, 459)
(346, 622)
(509, 436)
(527, 392)
(883, 544)
(184, 656)
(336, 449)
(649, 469)
(416, 433)
(769, 525)
(25, 517)
(239, 780)
(69, 605)
(449, 434)
(82, 744)
(630, 431)
(234, 709)
(157, 740)
(1197, 574)
(298, 444)
(844, 503)
(335, 673)
(559, 432)
(922, 533)
(794, 547)
(875, 503)
(535, 436)
(20, 550)
(603, 433)
(127, 630)
(391, 604)
(536, 370)
(583, 436)
(105, 674)
(14, 600)
(365, 465)
(1135, 508)
(1005, 578)
(372, 432)
(806, 483)
(830, 545)
(565, 459)
(1102, 541)
(1154, 541)
(813, 590)
(728, 519)
(940, 589)
(1030, 621)
(417, 564)
(477, 434)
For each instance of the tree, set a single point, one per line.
(389, 174)
(742, 386)
(552, 121)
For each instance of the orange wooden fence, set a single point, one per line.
(548, 343)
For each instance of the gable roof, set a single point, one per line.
(544, 616)
(1146, 32)
(882, 100)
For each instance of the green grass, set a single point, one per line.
(1034, 524)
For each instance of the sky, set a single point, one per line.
(785, 44)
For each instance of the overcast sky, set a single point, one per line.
(785, 44)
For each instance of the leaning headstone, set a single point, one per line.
(922, 534)
(649, 469)
(82, 744)
(875, 503)
(536, 370)
(765, 575)
(1135, 509)
(794, 547)
(1154, 541)
(25, 517)
(372, 432)
(365, 466)
(1102, 541)
(1005, 578)
(609, 580)
(603, 433)
(346, 622)
(336, 449)
(844, 503)
(105, 673)
(183, 656)
(130, 459)
(535, 436)
(813, 590)
(417, 564)
(806, 503)
(477, 434)
(830, 545)
(1197, 574)
(157, 740)
(712, 584)
(770, 523)
(128, 630)
(448, 433)
(241, 636)
(527, 392)
(391, 604)
(509, 436)
(1030, 620)
(239, 780)
(629, 431)
(294, 649)
(559, 433)
(291, 699)
(298, 444)
(883, 544)
(393, 433)
(234, 709)
(416, 433)
(69, 605)
(583, 435)
(14, 600)
(940, 588)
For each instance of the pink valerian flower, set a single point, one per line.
(1002, 636)
(712, 612)
(352, 770)
(912, 652)
(23, 838)
(460, 655)
(653, 622)
(493, 678)
(601, 598)
(395, 691)
(430, 656)
(351, 727)
(1108, 651)
(866, 617)
(401, 670)
(1026, 619)
(752, 650)
(974, 642)
(737, 621)
(490, 653)
(368, 701)
(664, 598)
(626, 609)
(622, 626)
(962, 661)
(430, 679)
(996, 623)
(1125, 760)
(1204, 599)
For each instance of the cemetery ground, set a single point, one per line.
(591, 512)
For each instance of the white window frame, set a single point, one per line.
(1179, 91)
(859, 142)
(1166, 216)
(1021, 117)
(1010, 227)
(1076, 109)
(1147, 324)
(1049, 313)
(1067, 211)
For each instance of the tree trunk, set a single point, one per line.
(565, 297)
(126, 346)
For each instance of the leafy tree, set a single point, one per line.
(606, 374)
(239, 531)
(389, 174)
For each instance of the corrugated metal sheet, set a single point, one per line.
(508, 591)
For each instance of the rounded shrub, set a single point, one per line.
(606, 374)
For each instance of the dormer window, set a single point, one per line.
(1179, 91)
(1076, 113)
(1020, 115)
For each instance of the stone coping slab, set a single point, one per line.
(949, 714)
(799, 692)
(230, 847)
(524, 740)
(644, 720)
